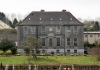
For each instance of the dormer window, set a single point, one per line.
(29, 18)
(71, 18)
(60, 18)
(40, 19)
(51, 18)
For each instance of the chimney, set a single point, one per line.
(63, 10)
(42, 10)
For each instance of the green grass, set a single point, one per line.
(49, 60)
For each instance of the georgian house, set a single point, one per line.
(59, 31)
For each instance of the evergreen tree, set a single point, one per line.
(96, 26)
(5, 19)
(15, 21)
(5, 45)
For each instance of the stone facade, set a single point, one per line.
(60, 32)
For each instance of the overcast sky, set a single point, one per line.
(85, 9)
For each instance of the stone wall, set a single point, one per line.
(50, 67)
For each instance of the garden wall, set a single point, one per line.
(50, 67)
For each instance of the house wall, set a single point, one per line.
(92, 39)
(53, 35)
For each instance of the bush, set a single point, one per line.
(1, 52)
(27, 50)
(14, 50)
(7, 53)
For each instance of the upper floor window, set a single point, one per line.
(32, 29)
(85, 35)
(25, 30)
(68, 29)
(68, 41)
(75, 29)
(43, 29)
(91, 35)
(58, 41)
(98, 35)
(43, 41)
(58, 29)
(75, 41)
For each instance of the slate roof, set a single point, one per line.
(4, 25)
(50, 18)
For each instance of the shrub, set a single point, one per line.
(14, 50)
(1, 52)
(7, 53)
(27, 50)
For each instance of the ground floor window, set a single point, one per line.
(58, 41)
(57, 51)
(68, 51)
(75, 51)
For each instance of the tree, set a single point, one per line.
(5, 45)
(15, 21)
(96, 26)
(95, 51)
(33, 43)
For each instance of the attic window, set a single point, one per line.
(51, 18)
(29, 18)
(40, 19)
(60, 18)
(71, 18)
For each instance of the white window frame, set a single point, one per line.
(68, 41)
(32, 29)
(42, 30)
(58, 41)
(91, 35)
(75, 42)
(68, 29)
(43, 41)
(25, 30)
(98, 35)
(58, 29)
(75, 29)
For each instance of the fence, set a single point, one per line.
(50, 67)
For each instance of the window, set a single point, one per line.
(60, 18)
(75, 51)
(58, 29)
(71, 18)
(91, 35)
(58, 41)
(68, 51)
(57, 51)
(68, 41)
(75, 29)
(75, 41)
(43, 41)
(32, 29)
(98, 35)
(51, 18)
(29, 18)
(43, 29)
(40, 19)
(85, 35)
(25, 30)
(50, 42)
(68, 29)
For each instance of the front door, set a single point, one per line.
(50, 42)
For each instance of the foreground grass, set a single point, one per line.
(50, 60)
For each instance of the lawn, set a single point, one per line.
(49, 60)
